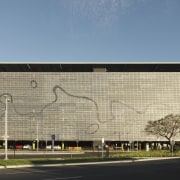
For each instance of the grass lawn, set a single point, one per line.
(35, 161)
(112, 157)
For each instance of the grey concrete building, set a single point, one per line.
(86, 106)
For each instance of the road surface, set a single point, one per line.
(148, 170)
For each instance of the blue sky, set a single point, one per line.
(89, 30)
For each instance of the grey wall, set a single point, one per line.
(86, 106)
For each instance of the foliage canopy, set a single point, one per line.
(167, 127)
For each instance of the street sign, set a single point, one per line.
(172, 142)
(53, 137)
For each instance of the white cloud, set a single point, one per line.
(104, 11)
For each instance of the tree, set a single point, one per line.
(167, 127)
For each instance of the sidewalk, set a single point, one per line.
(42, 152)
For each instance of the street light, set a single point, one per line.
(6, 126)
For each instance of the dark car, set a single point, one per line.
(99, 147)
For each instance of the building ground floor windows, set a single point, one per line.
(121, 146)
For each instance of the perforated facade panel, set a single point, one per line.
(86, 105)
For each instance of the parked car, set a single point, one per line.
(48, 147)
(19, 146)
(11, 146)
(56, 147)
(99, 147)
(27, 147)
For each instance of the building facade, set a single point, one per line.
(86, 106)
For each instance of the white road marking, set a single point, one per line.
(18, 173)
(75, 177)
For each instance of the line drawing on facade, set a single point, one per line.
(87, 106)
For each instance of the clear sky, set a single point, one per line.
(89, 30)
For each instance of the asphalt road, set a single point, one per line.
(149, 170)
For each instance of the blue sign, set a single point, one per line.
(53, 136)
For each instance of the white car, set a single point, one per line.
(56, 147)
(27, 147)
(48, 147)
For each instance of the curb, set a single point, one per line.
(88, 163)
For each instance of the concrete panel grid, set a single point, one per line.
(86, 105)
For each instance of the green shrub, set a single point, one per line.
(154, 153)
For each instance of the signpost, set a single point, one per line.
(53, 137)
(172, 142)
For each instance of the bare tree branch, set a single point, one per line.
(167, 127)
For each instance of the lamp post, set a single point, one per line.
(6, 126)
